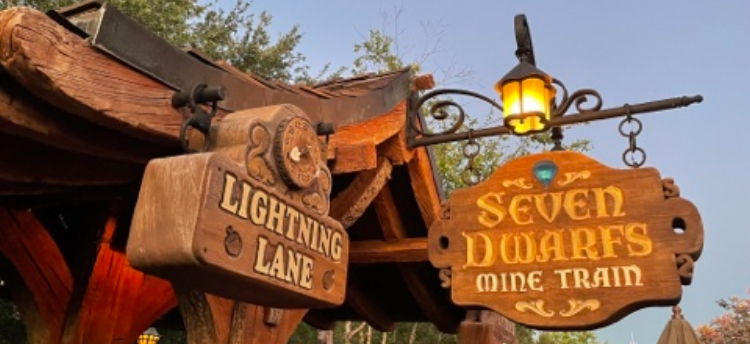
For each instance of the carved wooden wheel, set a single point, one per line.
(297, 152)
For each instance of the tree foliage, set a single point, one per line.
(586, 337)
(731, 328)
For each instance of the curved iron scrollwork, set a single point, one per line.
(440, 111)
(419, 133)
(578, 98)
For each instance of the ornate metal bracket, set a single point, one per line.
(451, 126)
(199, 118)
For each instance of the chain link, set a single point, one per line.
(633, 156)
(471, 174)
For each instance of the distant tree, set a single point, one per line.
(586, 337)
(524, 335)
(730, 328)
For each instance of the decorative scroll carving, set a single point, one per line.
(318, 200)
(445, 210)
(257, 166)
(571, 177)
(534, 306)
(352, 202)
(520, 182)
(576, 306)
(671, 189)
(685, 265)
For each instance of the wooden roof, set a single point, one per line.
(78, 127)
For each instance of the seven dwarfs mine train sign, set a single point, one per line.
(560, 241)
(554, 240)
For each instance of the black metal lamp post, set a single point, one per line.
(533, 102)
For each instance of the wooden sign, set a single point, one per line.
(560, 241)
(253, 231)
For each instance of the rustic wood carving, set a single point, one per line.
(257, 165)
(560, 241)
(351, 203)
(220, 223)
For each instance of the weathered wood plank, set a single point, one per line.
(46, 283)
(355, 158)
(22, 114)
(424, 186)
(486, 327)
(42, 56)
(351, 203)
(26, 161)
(212, 319)
(109, 311)
(114, 305)
(378, 251)
(355, 148)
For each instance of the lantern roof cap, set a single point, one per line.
(521, 71)
(152, 330)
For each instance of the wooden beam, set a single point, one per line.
(42, 56)
(424, 185)
(346, 208)
(26, 161)
(431, 299)
(45, 286)
(351, 203)
(353, 158)
(486, 327)
(109, 303)
(355, 147)
(118, 302)
(212, 319)
(34, 48)
(412, 250)
(22, 114)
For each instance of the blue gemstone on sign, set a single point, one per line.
(545, 171)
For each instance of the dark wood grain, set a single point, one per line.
(592, 246)
(184, 201)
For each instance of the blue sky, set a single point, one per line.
(631, 52)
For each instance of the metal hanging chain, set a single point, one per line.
(633, 156)
(471, 174)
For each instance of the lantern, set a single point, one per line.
(527, 95)
(151, 336)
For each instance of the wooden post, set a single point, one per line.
(211, 319)
(486, 327)
(99, 299)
